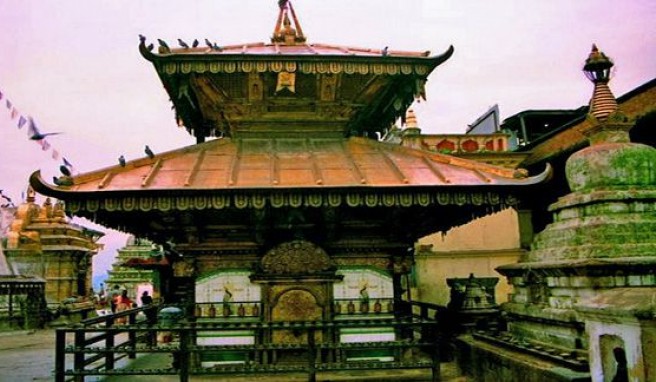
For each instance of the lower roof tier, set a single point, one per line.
(225, 185)
(293, 163)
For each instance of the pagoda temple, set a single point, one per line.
(133, 279)
(294, 203)
(42, 242)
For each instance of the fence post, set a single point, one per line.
(312, 377)
(183, 355)
(132, 335)
(109, 344)
(60, 355)
(78, 355)
(435, 354)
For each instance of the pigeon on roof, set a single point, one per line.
(64, 170)
(149, 152)
(163, 46)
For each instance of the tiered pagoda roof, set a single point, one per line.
(289, 86)
(298, 126)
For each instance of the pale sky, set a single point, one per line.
(74, 66)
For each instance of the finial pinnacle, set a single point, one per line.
(284, 32)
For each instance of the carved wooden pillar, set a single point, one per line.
(182, 285)
(401, 267)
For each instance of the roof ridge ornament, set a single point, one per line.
(284, 32)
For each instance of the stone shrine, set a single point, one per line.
(586, 292)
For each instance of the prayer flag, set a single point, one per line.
(0, 95)
(14, 113)
(8, 104)
(21, 122)
(67, 163)
(55, 154)
(45, 145)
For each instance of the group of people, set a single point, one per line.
(119, 300)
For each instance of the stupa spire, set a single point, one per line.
(608, 122)
(597, 69)
(284, 32)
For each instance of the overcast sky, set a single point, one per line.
(74, 66)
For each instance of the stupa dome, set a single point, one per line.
(612, 165)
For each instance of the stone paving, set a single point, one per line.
(30, 356)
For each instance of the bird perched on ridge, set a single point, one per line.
(194, 44)
(34, 132)
(62, 181)
(183, 44)
(212, 45)
(149, 152)
(64, 170)
(121, 161)
(163, 46)
(384, 52)
(142, 38)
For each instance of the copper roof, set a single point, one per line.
(261, 48)
(287, 39)
(290, 163)
(236, 90)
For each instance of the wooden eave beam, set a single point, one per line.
(395, 169)
(357, 172)
(151, 174)
(195, 168)
(436, 171)
(233, 173)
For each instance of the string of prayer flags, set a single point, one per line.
(33, 132)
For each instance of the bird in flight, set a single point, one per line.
(34, 132)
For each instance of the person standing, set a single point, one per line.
(149, 311)
(114, 294)
(123, 302)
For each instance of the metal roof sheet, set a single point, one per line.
(293, 163)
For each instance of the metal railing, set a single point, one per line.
(227, 309)
(278, 347)
(346, 306)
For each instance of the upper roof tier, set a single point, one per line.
(289, 87)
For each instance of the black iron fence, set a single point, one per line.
(209, 348)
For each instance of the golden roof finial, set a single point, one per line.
(284, 32)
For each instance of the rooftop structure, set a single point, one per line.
(289, 86)
(297, 198)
